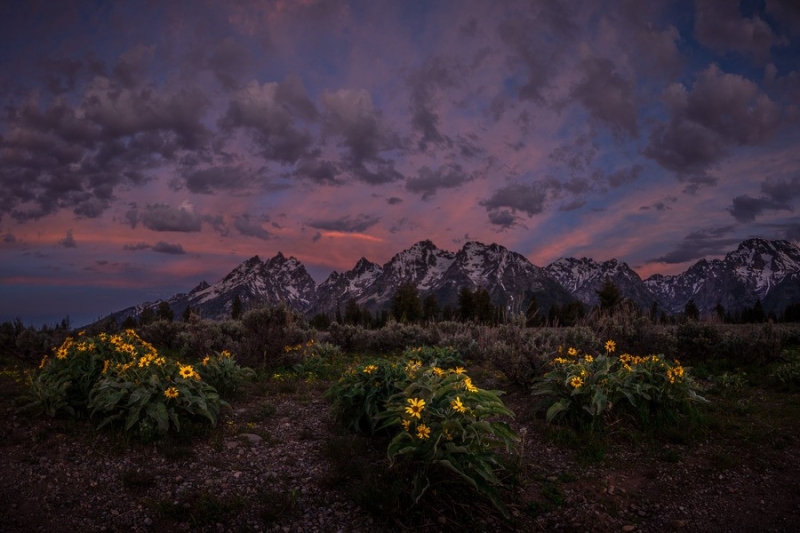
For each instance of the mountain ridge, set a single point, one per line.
(757, 269)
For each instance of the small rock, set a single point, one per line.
(442, 520)
(628, 528)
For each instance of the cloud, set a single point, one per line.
(699, 244)
(348, 224)
(624, 175)
(351, 115)
(228, 62)
(537, 40)
(608, 97)
(207, 180)
(166, 248)
(317, 170)
(429, 181)
(136, 247)
(161, 217)
(394, 200)
(68, 241)
(275, 114)
(251, 228)
(782, 190)
(720, 111)
(434, 75)
(502, 217)
(507, 200)
(746, 208)
(719, 25)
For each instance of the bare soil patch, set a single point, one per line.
(276, 462)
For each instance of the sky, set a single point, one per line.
(146, 146)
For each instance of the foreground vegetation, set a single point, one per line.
(452, 407)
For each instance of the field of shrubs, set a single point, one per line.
(509, 427)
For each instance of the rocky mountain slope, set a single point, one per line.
(757, 269)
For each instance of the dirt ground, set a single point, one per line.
(275, 463)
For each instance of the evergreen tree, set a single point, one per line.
(466, 304)
(759, 316)
(236, 308)
(165, 312)
(146, 316)
(406, 305)
(654, 312)
(484, 309)
(609, 295)
(691, 311)
(571, 313)
(187, 313)
(352, 312)
(430, 308)
(128, 323)
(720, 311)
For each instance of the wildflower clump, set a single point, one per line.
(585, 387)
(448, 425)
(223, 373)
(123, 379)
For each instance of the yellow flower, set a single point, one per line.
(423, 431)
(416, 405)
(459, 370)
(610, 346)
(588, 358)
(225, 353)
(406, 424)
(81, 333)
(206, 360)
(187, 371)
(438, 371)
(44, 362)
(447, 435)
(369, 369)
(572, 352)
(171, 393)
(458, 406)
(560, 361)
(106, 364)
(576, 382)
(470, 387)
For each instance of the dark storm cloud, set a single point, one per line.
(433, 76)
(229, 62)
(161, 217)
(786, 14)
(133, 65)
(746, 208)
(68, 241)
(719, 25)
(505, 201)
(608, 97)
(531, 37)
(502, 217)
(167, 248)
(783, 191)
(699, 244)
(721, 110)
(394, 200)
(208, 180)
(377, 173)
(275, 114)
(317, 170)
(122, 112)
(429, 181)
(136, 247)
(252, 228)
(350, 116)
(349, 224)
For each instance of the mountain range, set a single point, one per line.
(757, 269)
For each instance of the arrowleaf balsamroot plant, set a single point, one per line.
(122, 378)
(582, 387)
(447, 423)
